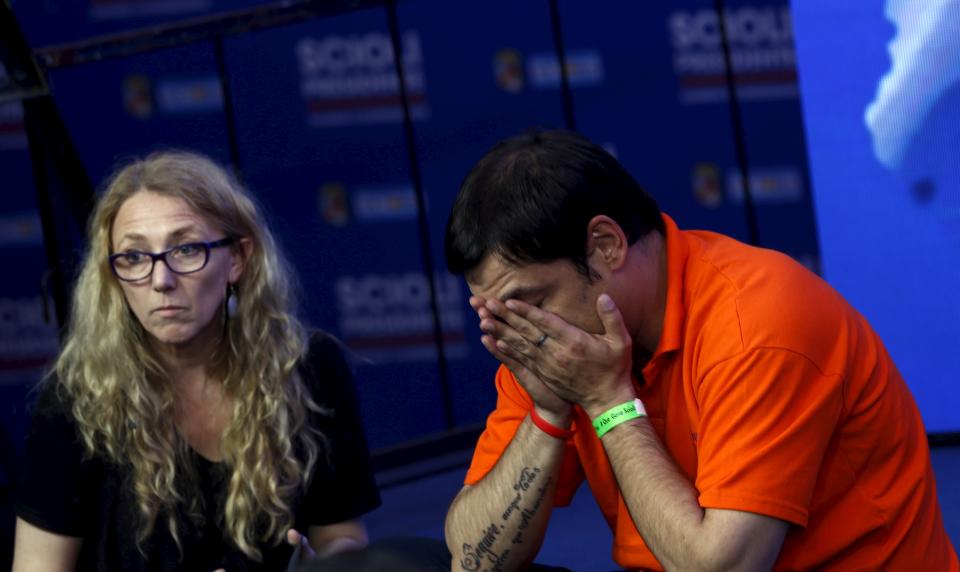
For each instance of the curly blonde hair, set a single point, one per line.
(120, 394)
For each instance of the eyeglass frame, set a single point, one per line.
(154, 257)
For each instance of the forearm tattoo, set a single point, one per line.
(485, 555)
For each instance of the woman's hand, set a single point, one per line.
(295, 539)
(328, 539)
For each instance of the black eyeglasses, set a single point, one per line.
(134, 265)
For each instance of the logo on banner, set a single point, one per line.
(138, 96)
(706, 184)
(13, 133)
(189, 95)
(21, 229)
(334, 207)
(171, 96)
(124, 9)
(508, 70)
(584, 69)
(768, 185)
(27, 342)
(352, 80)
(373, 205)
(388, 317)
(761, 50)
(385, 204)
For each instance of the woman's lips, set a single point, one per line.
(168, 310)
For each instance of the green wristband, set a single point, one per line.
(617, 415)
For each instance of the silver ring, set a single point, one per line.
(541, 340)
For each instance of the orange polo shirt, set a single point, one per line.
(773, 396)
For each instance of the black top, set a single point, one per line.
(64, 493)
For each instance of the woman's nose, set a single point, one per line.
(163, 278)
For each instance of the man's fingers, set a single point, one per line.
(612, 320)
(541, 320)
(526, 330)
(507, 334)
(515, 353)
(503, 352)
(490, 343)
(505, 358)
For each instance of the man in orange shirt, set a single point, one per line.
(728, 409)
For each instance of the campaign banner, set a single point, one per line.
(760, 39)
(319, 127)
(100, 10)
(13, 132)
(493, 73)
(881, 91)
(120, 109)
(50, 22)
(679, 153)
(28, 328)
(663, 110)
(387, 318)
(323, 143)
(350, 79)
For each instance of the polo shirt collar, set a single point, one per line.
(677, 252)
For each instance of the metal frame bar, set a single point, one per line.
(193, 30)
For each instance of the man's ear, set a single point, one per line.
(240, 254)
(606, 242)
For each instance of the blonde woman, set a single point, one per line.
(190, 423)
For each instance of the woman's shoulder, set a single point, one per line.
(325, 367)
(58, 479)
(321, 343)
(53, 401)
(325, 352)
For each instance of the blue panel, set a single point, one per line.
(671, 129)
(476, 64)
(649, 81)
(882, 110)
(321, 139)
(123, 108)
(762, 48)
(47, 22)
(28, 335)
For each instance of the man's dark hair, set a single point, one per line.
(530, 198)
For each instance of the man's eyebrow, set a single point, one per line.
(522, 293)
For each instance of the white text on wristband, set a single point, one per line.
(617, 415)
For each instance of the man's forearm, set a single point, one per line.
(662, 503)
(499, 523)
(664, 507)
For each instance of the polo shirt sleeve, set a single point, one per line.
(513, 405)
(767, 417)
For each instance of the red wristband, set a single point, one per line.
(549, 428)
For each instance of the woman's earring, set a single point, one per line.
(231, 301)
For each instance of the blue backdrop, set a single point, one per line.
(883, 130)
(319, 138)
